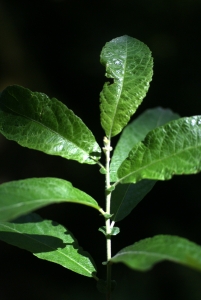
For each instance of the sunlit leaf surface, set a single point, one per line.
(129, 63)
(35, 121)
(168, 150)
(23, 196)
(48, 240)
(136, 132)
(144, 254)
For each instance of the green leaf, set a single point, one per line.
(126, 197)
(35, 121)
(109, 190)
(102, 229)
(172, 149)
(114, 230)
(107, 216)
(48, 240)
(136, 132)
(129, 62)
(103, 171)
(23, 196)
(144, 254)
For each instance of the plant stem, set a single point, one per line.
(107, 149)
(109, 249)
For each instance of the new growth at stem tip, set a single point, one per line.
(107, 147)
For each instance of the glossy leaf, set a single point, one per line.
(125, 197)
(144, 254)
(129, 63)
(35, 121)
(172, 149)
(136, 132)
(48, 240)
(23, 196)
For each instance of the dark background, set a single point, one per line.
(54, 47)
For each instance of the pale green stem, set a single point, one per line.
(112, 224)
(107, 149)
(100, 164)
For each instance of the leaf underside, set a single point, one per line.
(126, 197)
(23, 196)
(129, 63)
(35, 121)
(172, 149)
(48, 240)
(143, 255)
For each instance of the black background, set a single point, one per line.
(54, 47)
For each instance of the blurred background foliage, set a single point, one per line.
(54, 47)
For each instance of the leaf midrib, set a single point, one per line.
(53, 249)
(142, 252)
(43, 125)
(27, 203)
(155, 162)
(121, 203)
(122, 84)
